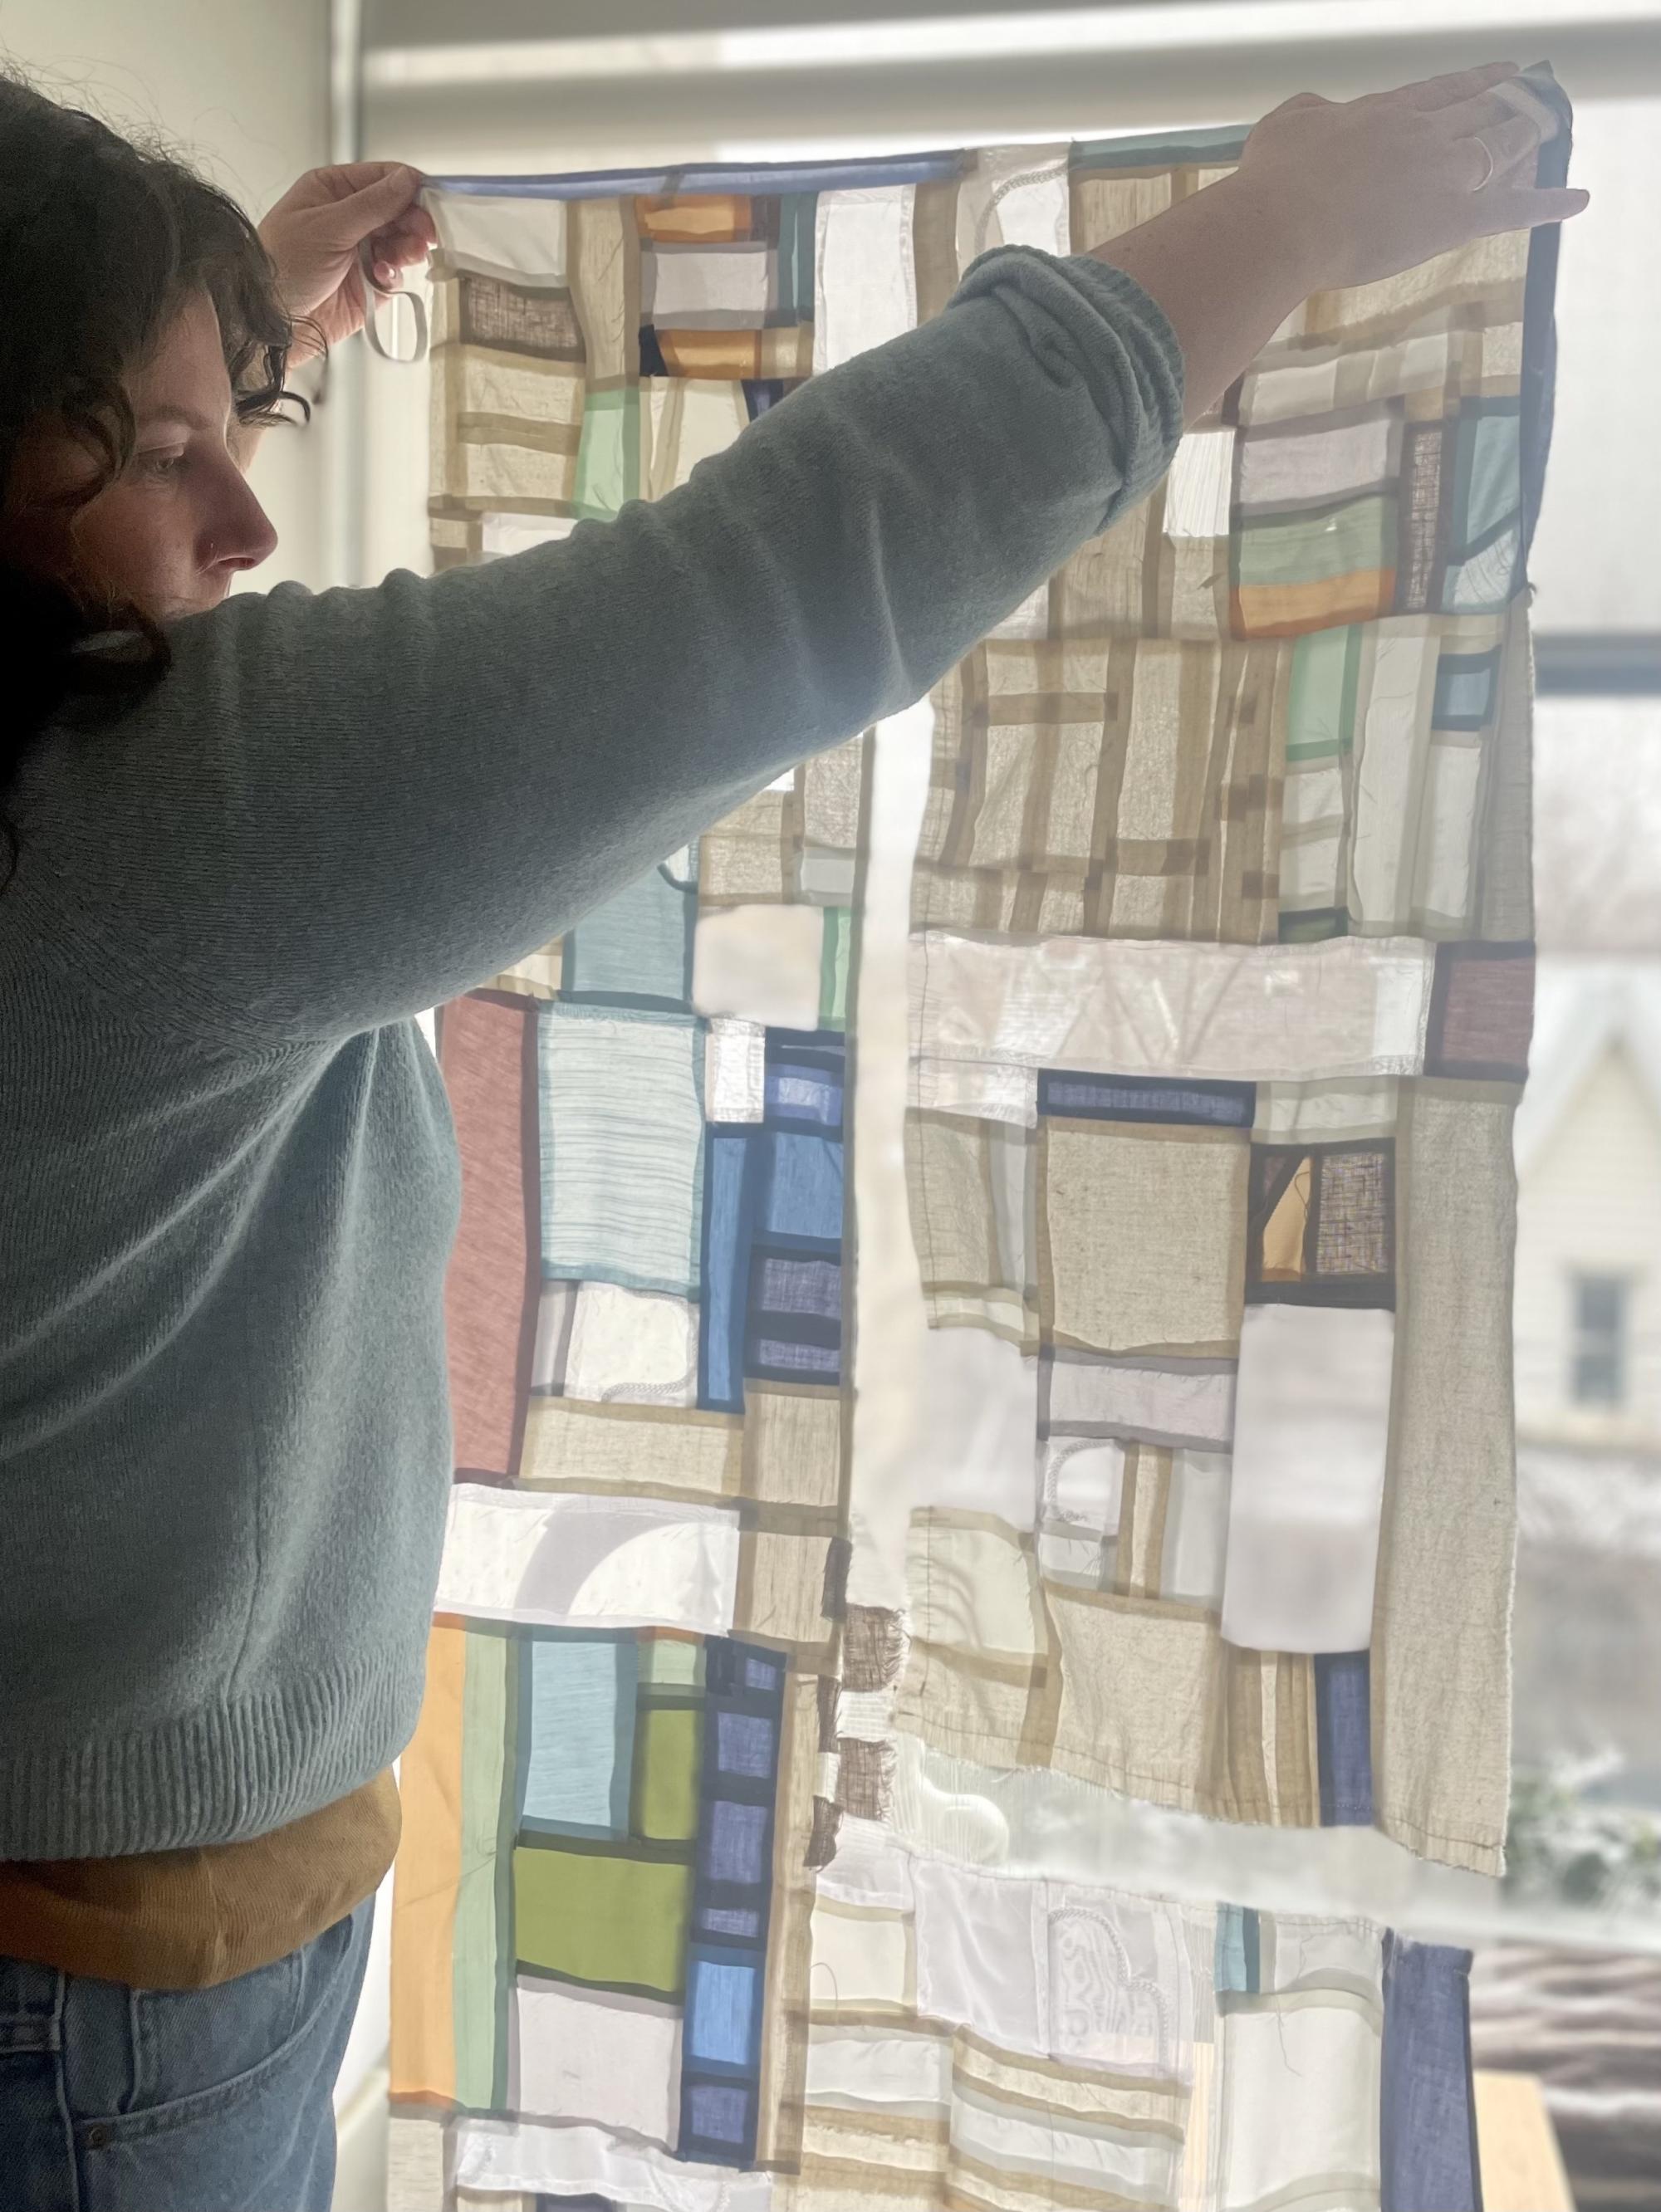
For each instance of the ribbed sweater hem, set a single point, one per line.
(217, 1775)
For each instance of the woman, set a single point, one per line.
(250, 841)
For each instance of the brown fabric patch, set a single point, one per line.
(827, 1826)
(827, 1691)
(1322, 1227)
(873, 1648)
(519, 320)
(487, 1050)
(1418, 525)
(1481, 1012)
(1355, 1231)
(865, 1777)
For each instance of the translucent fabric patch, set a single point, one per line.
(760, 964)
(514, 1555)
(1311, 1424)
(631, 1347)
(622, 1146)
(1354, 1006)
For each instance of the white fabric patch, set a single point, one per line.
(1299, 2105)
(1084, 1483)
(1324, 1112)
(501, 535)
(638, 1347)
(511, 1555)
(865, 290)
(979, 1938)
(696, 287)
(1388, 777)
(509, 236)
(1200, 486)
(860, 1961)
(1120, 1981)
(984, 1089)
(881, 2071)
(1451, 776)
(536, 2159)
(1195, 1528)
(1315, 465)
(760, 964)
(735, 1071)
(1353, 1005)
(1158, 1404)
(1014, 196)
(614, 2060)
(1311, 1429)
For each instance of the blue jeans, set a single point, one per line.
(114, 2099)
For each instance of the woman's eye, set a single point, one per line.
(160, 466)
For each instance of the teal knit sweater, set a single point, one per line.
(229, 1183)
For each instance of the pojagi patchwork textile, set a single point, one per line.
(796, 1623)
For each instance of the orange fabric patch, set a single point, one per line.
(695, 219)
(722, 354)
(427, 1879)
(1288, 609)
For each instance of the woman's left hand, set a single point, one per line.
(313, 233)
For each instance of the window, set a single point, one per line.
(1598, 1376)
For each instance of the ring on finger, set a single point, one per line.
(1487, 153)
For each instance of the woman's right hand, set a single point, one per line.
(1375, 186)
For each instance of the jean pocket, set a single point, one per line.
(251, 2132)
(191, 2042)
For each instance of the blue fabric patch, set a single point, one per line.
(1235, 1966)
(795, 1317)
(719, 2113)
(576, 1732)
(858, 172)
(733, 1843)
(745, 1745)
(1123, 1098)
(1343, 1738)
(721, 2011)
(806, 1073)
(803, 1193)
(727, 1207)
(1427, 2122)
(730, 1920)
(1489, 471)
(1464, 691)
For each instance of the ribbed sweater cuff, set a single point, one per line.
(218, 1775)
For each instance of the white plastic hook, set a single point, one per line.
(374, 293)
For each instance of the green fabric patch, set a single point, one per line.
(1313, 927)
(636, 949)
(1311, 548)
(608, 452)
(833, 967)
(797, 263)
(480, 1979)
(1487, 478)
(671, 1659)
(1326, 666)
(612, 1918)
(668, 1757)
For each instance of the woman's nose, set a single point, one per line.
(241, 535)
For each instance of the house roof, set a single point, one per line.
(1584, 1009)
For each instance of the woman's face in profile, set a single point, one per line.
(171, 531)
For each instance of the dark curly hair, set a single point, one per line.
(101, 241)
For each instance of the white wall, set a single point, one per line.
(244, 90)
(1590, 1203)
